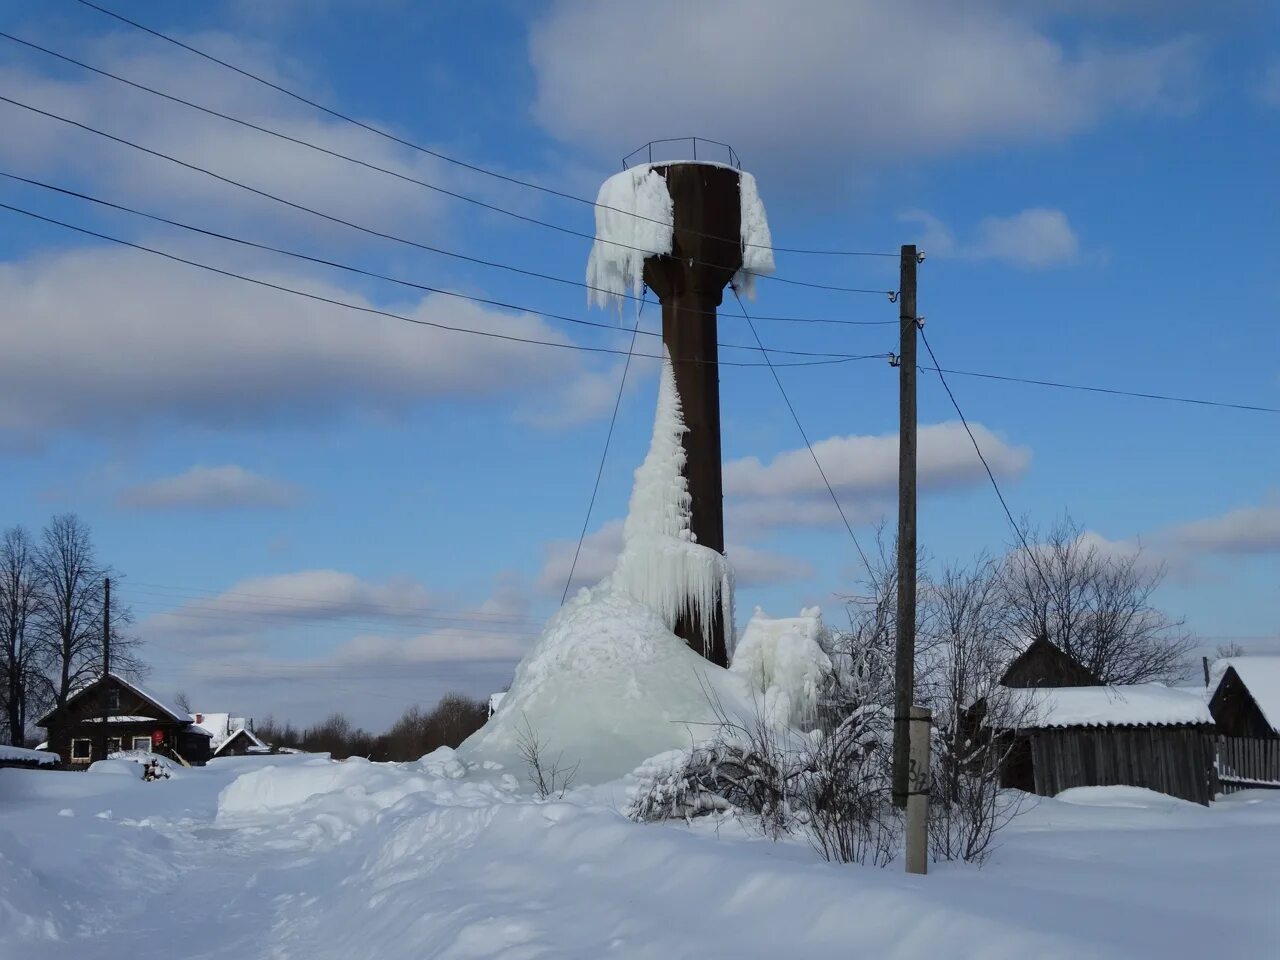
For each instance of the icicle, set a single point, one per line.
(757, 241)
(661, 564)
(633, 222)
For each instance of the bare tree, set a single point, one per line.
(20, 656)
(455, 718)
(863, 656)
(1095, 605)
(70, 610)
(974, 717)
(70, 607)
(1226, 651)
(182, 701)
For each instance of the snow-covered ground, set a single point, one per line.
(300, 857)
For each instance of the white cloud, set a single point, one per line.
(862, 464)
(600, 549)
(591, 394)
(1245, 530)
(753, 566)
(1036, 237)
(49, 149)
(217, 488)
(596, 559)
(836, 79)
(100, 336)
(407, 648)
(752, 517)
(304, 597)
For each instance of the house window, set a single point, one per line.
(81, 750)
(113, 700)
(142, 743)
(113, 745)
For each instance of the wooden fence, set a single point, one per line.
(1248, 763)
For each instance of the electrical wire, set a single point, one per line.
(604, 454)
(937, 367)
(332, 153)
(1106, 390)
(435, 153)
(368, 273)
(396, 316)
(303, 208)
(805, 436)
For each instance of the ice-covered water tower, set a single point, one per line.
(686, 229)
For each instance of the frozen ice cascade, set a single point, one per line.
(634, 216)
(662, 565)
(608, 684)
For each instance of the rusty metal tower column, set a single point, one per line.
(706, 251)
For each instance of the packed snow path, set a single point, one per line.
(325, 861)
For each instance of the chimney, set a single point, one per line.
(1204, 662)
(200, 716)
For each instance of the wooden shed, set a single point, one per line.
(1246, 699)
(1245, 704)
(1142, 735)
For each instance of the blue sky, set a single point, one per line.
(319, 509)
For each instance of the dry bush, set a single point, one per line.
(833, 789)
(551, 779)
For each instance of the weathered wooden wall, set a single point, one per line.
(1175, 760)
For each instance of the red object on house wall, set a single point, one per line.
(157, 737)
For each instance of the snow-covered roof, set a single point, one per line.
(83, 688)
(23, 755)
(122, 718)
(1262, 676)
(221, 728)
(254, 741)
(1136, 705)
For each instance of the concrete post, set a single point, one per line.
(918, 795)
(706, 251)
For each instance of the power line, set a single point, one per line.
(937, 368)
(361, 271)
(435, 153)
(385, 313)
(1107, 390)
(377, 276)
(342, 156)
(604, 454)
(360, 227)
(783, 390)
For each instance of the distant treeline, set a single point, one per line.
(415, 734)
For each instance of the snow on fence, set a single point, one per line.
(1248, 763)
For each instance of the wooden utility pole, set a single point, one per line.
(905, 668)
(106, 659)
